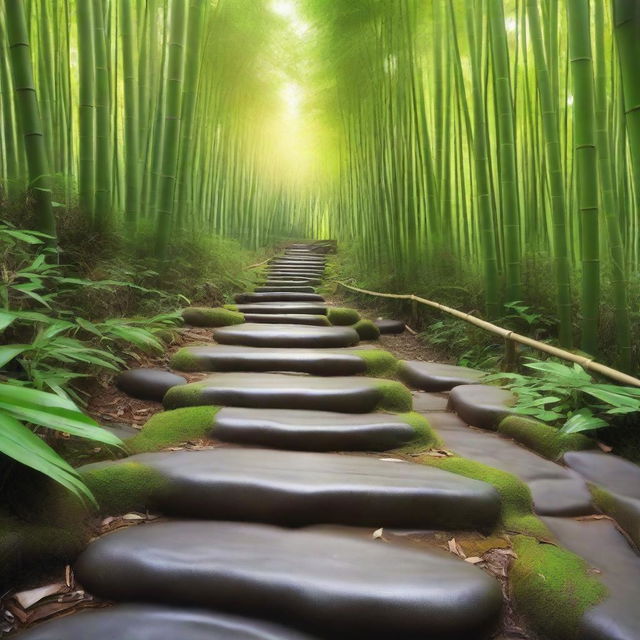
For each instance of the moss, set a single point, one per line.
(395, 396)
(342, 316)
(517, 508)
(622, 509)
(380, 364)
(542, 438)
(211, 316)
(30, 550)
(367, 330)
(426, 436)
(186, 360)
(172, 427)
(552, 588)
(183, 395)
(123, 487)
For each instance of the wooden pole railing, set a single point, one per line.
(508, 335)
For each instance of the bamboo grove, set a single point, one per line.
(492, 144)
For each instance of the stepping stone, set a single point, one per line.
(288, 318)
(293, 282)
(146, 621)
(313, 273)
(318, 362)
(148, 384)
(603, 547)
(311, 430)
(286, 288)
(482, 405)
(244, 298)
(313, 308)
(282, 391)
(434, 376)
(556, 491)
(294, 489)
(620, 479)
(286, 335)
(389, 326)
(339, 588)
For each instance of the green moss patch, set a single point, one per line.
(186, 360)
(542, 438)
(184, 395)
(380, 364)
(172, 427)
(552, 588)
(517, 508)
(211, 316)
(395, 397)
(367, 330)
(426, 436)
(342, 316)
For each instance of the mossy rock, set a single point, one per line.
(186, 360)
(542, 438)
(552, 588)
(212, 316)
(380, 363)
(517, 506)
(366, 329)
(396, 398)
(426, 435)
(342, 316)
(172, 427)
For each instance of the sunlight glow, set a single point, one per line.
(570, 100)
(292, 96)
(510, 24)
(287, 9)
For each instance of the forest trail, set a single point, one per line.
(418, 528)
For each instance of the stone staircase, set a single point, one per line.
(273, 534)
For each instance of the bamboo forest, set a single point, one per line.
(320, 319)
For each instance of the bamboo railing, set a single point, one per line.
(509, 336)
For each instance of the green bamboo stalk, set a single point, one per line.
(29, 113)
(578, 23)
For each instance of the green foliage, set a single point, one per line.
(567, 395)
(552, 588)
(20, 405)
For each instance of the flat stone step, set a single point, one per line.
(339, 588)
(286, 289)
(313, 308)
(387, 327)
(297, 262)
(311, 430)
(148, 384)
(292, 282)
(312, 273)
(482, 405)
(286, 335)
(288, 318)
(604, 548)
(282, 391)
(290, 488)
(283, 296)
(319, 362)
(146, 621)
(435, 376)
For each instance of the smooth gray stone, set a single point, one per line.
(338, 587)
(122, 431)
(429, 401)
(287, 318)
(291, 488)
(300, 260)
(482, 405)
(314, 273)
(387, 327)
(556, 491)
(286, 335)
(312, 308)
(434, 376)
(311, 430)
(280, 391)
(155, 622)
(292, 282)
(245, 298)
(287, 288)
(148, 384)
(620, 478)
(319, 362)
(617, 617)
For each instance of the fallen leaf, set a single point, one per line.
(378, 533)
(132, 516)
(391, 460)
(605, 447)
(28, 598)
(454, 547)
(473, 560)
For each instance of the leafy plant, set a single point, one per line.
(19, 405)
(567, 395)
